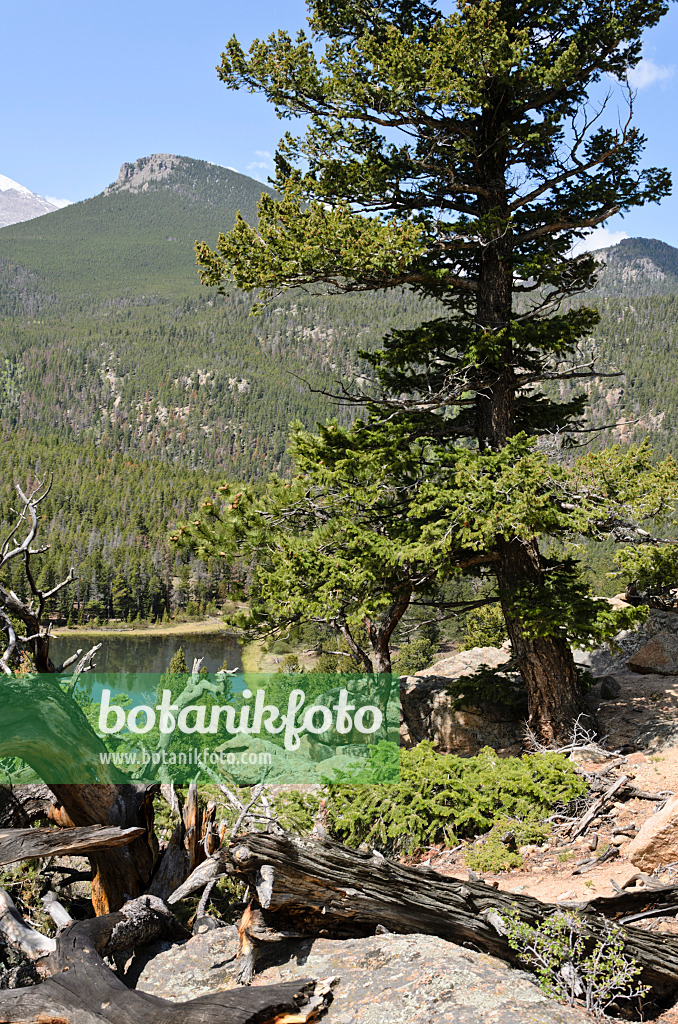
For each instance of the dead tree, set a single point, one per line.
(322, 888)
(81, 989)
(30, 613)
(46, 728)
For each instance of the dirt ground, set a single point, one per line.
(547, 872)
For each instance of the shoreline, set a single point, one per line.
(211, 625)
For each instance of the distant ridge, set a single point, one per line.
(18, 203)
(137, 236)
(638, 266)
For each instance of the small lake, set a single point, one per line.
(138, 653)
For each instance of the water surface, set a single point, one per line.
(122, 652)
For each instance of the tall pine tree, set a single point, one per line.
(462, 155)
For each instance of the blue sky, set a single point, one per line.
(86, 86)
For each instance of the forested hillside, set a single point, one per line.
(108, 516)
(140, 390)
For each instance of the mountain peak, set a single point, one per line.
(638, 266)
(134, 177)
(18, 203)
(7, 185)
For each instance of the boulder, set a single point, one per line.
(610, 688)
(454, 722)
(657, 840)
(402, 979)
(660, 656)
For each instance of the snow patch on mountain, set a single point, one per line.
(18, 203)
(6, 184)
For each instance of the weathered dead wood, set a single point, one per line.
(185, 850)
(17, 933)
(24, 843)
(30, 612)
(208, 871)
(598, 805)
(20, 805)
(120, 873)
(84, 665)
(321, 888)
(82, 990)
(588, 865)
(254, 932)
(56, 911)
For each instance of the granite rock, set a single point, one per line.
(384, 979)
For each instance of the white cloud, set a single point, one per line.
(59, 202)
(264, 163)
(647, 73)
(598, 238)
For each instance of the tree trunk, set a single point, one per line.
(546, 663)
(21, 805)
(46, 727)
(124, 873)
(380, 633)
(319, 887)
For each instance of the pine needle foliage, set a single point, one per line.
(442, 798)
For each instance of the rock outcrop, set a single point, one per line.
(657, 840)
(659, 656)
(460, 722)
(135, 177)
(402, 979)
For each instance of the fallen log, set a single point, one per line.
(83, 990)
(25, 843)
(322, 888)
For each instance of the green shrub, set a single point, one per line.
(499, 849)
(177, 665)
(442, 798)
(280, 647)
(327, 664)
(571, 966)
(297, 811)
(492, 855)
(289, 665)
(485, 627)
(413, 657)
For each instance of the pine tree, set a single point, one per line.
(459, 155)
(177, 665)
